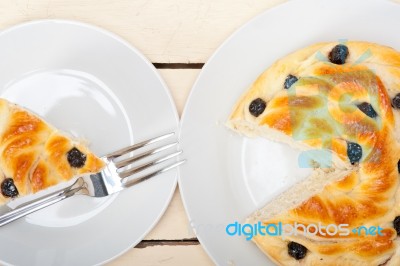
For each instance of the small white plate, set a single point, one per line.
(94, 85)
(227, 176)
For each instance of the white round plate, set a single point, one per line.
(227, 176)
(95, 86)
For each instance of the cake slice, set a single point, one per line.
(342, 98)
(34, 155)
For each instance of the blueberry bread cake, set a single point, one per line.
(34, 155)
(343, 98)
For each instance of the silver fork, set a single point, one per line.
(113, 178)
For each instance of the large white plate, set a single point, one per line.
(227, 176)
(94, 85)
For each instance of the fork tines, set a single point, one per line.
(129, 167)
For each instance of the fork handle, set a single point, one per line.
(40, 203)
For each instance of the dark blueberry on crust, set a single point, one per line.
(354, 152)
(257, 107)
(8, 188)
(367, 109)
(297, 250)
(289, 81)
(396, 224)
(76, 158)
(396, 101)
(398, 166)
(339, 54)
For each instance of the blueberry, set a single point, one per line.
(339, 54)
(396, 101)
(396, 224)
(398, 166)
(367, 109)
(76, 158)
(289, 81)
(297, 250)
(257, 107)
(8, 188)
(354, 152)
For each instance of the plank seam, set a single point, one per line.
(168, 242)
(178, 65)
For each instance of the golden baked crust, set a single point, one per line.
(34, 154)
(321, 110)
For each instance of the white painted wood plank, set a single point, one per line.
(193, 255)
(166, 31)
(174, 224)
(180, 83)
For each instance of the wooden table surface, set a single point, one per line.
(178, 36)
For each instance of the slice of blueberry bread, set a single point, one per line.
(34, 155)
